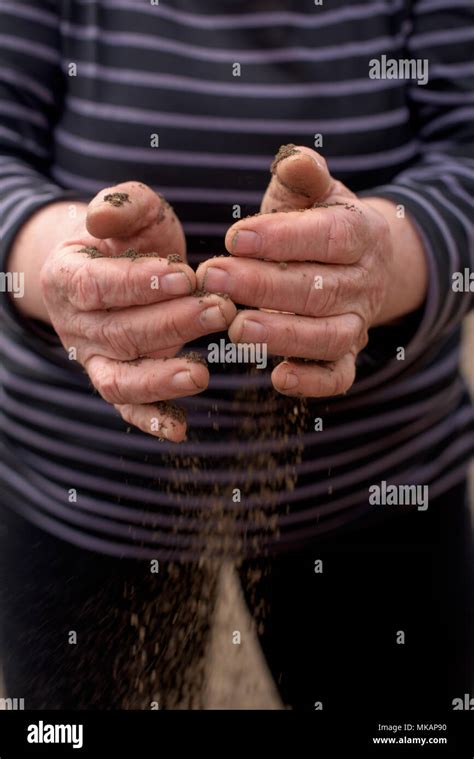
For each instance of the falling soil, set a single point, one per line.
(117, 199)
(172, 629)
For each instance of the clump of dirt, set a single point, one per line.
(117, 199)
(194, 358)
(283, 265)
(314, 361)
(204, 293)
(284, 151)
(129, 253)
(91, 251)
(164, 207)
(176, 413)
(174, 258)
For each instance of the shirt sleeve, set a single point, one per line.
(31, 93)
(437, 190)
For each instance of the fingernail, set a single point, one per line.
(291, 381)
(176, 283)
(216, 280)
(183, 381)
(254, 332)
(244, 241)
(306, 155)
(212, 319)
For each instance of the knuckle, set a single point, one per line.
(335, 340)
(175, 329)
(264, 289)
(354, 331)
(343, 378)
(347, 237)
(83, 289)
(106, 381)
(53, 280)
(117, 334)
(340, 383)
(150, 385)
(328, 297)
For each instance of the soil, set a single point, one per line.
(204, 293)
(349, 206)
(117, 199)
(129, 253)
(91, 251)
(170, 410)
(284, 151)
(174, 258)
(194, 358)
(165, 206)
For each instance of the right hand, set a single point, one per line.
(109, 309)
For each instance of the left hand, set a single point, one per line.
(317, 262)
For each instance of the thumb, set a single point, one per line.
(300, 177)
(132, 209)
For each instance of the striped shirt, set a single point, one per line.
(84, 87)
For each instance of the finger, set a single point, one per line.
(315, 380)
(146, 380)
(163, 420)
(300, 177)
(301, 288)
(303, 337)
(338, 234)
(134, 332)
(92, 283)
(129, 208)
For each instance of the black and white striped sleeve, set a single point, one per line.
(438, 189)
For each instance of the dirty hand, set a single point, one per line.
(318, 263)
(123, 315)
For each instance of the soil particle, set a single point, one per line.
(117, 199)
(283, 265)
(174, 258)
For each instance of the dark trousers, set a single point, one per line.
(386, 628)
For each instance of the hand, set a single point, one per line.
(319, 264)
(125, 316)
